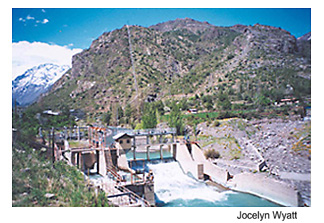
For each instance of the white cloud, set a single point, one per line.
(30, 17)
(26, 55)
(43, 22)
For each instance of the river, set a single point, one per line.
(173, 188)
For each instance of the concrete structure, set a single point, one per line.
(124, 140)
(265, 187)
(101, 162)
(145, 189)
(106, 158)
(214, 172)
(193, 161)
(185, 160)
(86, 158)
(121, 159)
(97, 153)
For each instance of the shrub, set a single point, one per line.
(229, 57)
(212, 153)
(216, 123)
(139, 126)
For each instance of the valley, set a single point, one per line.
(243, 93)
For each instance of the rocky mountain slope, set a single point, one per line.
(27, 87)
(183, 58)
(304, 45)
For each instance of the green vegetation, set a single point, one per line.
(149, 116)
(235, 153)
(212, 154)
(304, 140)
(128, 113)
(32, 118)
(216, 70)
(77, 144)
(106, 117)
(175, 118)
(228, 146)
(36, 181)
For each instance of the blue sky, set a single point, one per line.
(53, 35)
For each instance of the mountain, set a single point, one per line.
(305, 38)
(178, 24)
(27, 87)
(304, 45)
(184, 58)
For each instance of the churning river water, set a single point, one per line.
(173, 188)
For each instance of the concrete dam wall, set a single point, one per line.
(192, 160)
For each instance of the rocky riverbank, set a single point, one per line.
(284, 145)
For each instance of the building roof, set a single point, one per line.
(122, 134)
(50, 112)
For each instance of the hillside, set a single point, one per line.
(37, 182)
(183, 58)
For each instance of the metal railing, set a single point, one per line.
(133, 195)
(155, 131)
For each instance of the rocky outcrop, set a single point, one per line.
(186, 23)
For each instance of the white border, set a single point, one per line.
(311, 214)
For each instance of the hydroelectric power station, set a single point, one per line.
(151, 167)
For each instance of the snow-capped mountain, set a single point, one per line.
(27, 87)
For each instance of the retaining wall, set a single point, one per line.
(263, 186)
(256, 184)
(216, 173)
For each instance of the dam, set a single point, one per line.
(151, 168)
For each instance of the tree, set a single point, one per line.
(149, 116)
(276, 94)
(208, 102)
(106, 117)
(159, 106)
(120, 112)
(208, 105)
(175, 118)
(183, 104)
(128, 113)
(261, 101)
(224, 102)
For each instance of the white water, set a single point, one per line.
(172, 184)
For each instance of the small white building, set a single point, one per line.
(124, 140)
(50, 112)
(193, 110)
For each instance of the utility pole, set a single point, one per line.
(137, 96)
(53, 144)
(117, 115)
(132, 59)
(16, 108)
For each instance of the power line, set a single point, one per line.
(132, 59)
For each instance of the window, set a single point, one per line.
(128, 141)
(121, 141)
